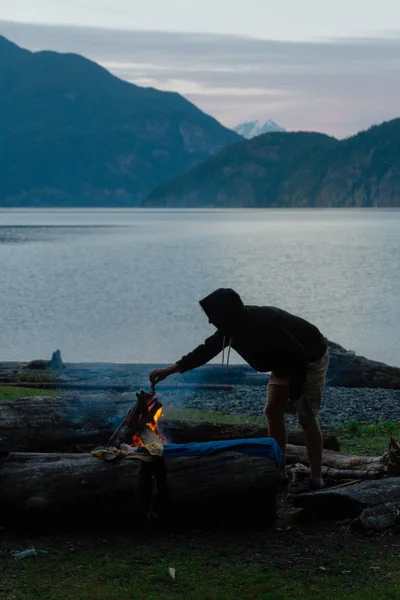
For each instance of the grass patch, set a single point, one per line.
(31, 376)
(200, 416)
(356, 438)
(10, 393)
(207, 568)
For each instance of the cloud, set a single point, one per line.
(337, 86)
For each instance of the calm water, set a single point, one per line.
(123, 285)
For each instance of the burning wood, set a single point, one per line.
(144, 414)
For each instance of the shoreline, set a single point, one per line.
(346, 369)
(340, 405)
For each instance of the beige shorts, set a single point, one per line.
(309, 405)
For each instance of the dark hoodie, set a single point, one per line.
(267, 338)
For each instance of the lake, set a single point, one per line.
(124, 285)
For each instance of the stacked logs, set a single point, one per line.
(47, 468)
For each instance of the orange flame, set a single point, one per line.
(137, 440)
(153, 425)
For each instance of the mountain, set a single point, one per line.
(74, 134)
(251, 129)
(294, 170)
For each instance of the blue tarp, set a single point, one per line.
(256, 446)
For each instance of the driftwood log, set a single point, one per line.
(219, 488)
(343, 468)
(213, 488)
(340, 462)
(78, 484)
(48, 424)
(374, 504)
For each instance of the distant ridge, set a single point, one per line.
(73, 134)
(294, 170)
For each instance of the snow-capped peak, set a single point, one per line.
(251, 129)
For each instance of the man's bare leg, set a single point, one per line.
(277, 430)
(277, 403)
(314, 444)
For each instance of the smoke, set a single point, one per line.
(205, 393)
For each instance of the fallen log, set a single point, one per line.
(340, 462)
(331, 475)
(369, 495)
(225, 487)
(183, 432)
(60, 424)
(378, 518)
(350, 501)
(336, 466)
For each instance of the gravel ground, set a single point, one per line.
(340, 405)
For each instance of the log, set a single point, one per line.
(341, 462)
(350, 501)
(338, 466)
(379, 518)
(374, 504)
(218, 488)
(331, 475)
(183, 432)
(60, 424)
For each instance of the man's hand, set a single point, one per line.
(298, 406)
(160, 374)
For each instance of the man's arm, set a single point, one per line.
(203, 353)
(198, 357)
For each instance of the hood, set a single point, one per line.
(224, 308)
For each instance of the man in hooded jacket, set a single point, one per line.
(269, 340)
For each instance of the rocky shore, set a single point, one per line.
(357, 388)
(340, 405)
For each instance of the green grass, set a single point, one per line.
(355, 438)
(10, 393)
(32, 376)
(199, 416)
(207, 568)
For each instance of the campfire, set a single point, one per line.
(151, 404)
(153, 426)
(140, 425)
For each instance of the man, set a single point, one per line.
(269, 340)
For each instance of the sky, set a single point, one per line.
(314, 65)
